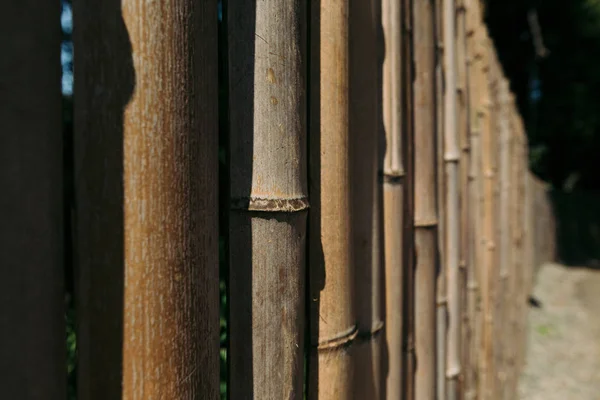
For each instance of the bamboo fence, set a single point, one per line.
(383, 228)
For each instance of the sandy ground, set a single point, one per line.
(563, 349)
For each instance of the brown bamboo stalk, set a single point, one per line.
(409, 256)
(32, 329)
(365, 199)
(425, 217)
(146, 195)
(475, 197)
(267, 92)
(394, 184)
(452, 214)
(516, 262)
(462, 94)
(489, 228)
(333, 316)
(441, 276)
(505, 245)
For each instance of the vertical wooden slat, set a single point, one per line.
(365, 199)
(269, 197)
(32, 331)
(394, 182)
(333, 315)
(425, 214)
(146, 199)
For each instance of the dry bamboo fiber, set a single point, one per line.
(146, 181)
(32, 331)
(333, 316)
(452, 214)
(394, 184)
(462, 98)
(365, 213)
(441, 276)
(425, 215)
(267, 61)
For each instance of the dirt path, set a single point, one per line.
(563, 350)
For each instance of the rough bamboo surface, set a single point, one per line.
(394, 115)
(146, 199)
(425, 214)
(365, 215)
(269, 197)
(333, 327)
(32, 315)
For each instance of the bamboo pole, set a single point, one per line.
(267, 93)
(394, 183)
(441, 275)
(516, 263)
(365, 213)
(408, 239)
(146, 196)
(462, 95)
(333, 315)
(32, 329)
(475, 197)
(452, 214)
(505, 244)
(488, 148)
(425, 217)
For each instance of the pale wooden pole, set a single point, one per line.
(365, 215)
(452, 214)
(333, 315)
(425, 216)
(32, 327)
(394, 186)
(146, 199)
(268, 173)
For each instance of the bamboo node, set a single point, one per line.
(426, 223)
(368, 334)
(343, 340)
(453, 372)
(270, 205)
(441, 301)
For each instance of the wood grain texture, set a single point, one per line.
(146, 178)
(333, 312)
(425, 212)
(32, 329)
(269, 197)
